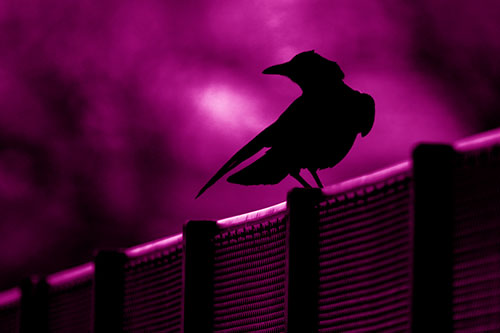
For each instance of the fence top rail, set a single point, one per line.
(478, 141)
(369, 179)
(71, 275)
(253, 216)
(349, 185)
(153, 246)
(10, 296)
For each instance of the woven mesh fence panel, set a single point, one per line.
(476, 241)
(10, 311)
(153, 291)
(70, 306)
(365, 258)
(249, 277)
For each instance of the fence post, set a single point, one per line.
(34, 311)
(433, 227)
(302, 260)
(108, 291)
(197, 265)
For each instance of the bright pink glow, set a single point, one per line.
(71, 275)
(10, 296)
(160, 244)
(478, 141)
(255, 215)
(228, 110)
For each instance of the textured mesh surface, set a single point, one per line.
(10, 310)
(365, 258)
(70, 300)
(153, 291)
(70, 308)
(249, 276)
(476, 267)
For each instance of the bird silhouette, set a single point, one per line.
(315, 132)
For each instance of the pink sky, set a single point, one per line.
(115, 113)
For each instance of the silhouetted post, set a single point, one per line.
(34, 311)
(301, 312)
(198, 276)
(433, 224)
(109, 291)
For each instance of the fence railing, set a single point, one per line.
(414, 247)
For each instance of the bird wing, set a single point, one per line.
(253, 147)
(269, 169)
(367, 109)
(280, 130)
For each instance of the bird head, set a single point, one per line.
(308, 68)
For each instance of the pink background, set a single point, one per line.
(113, 114)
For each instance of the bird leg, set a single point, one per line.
(316, 178)
(301, 180)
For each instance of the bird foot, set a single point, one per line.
(301, 180)
(316, 178)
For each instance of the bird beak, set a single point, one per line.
(281, 69)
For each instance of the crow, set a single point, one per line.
(315, 132)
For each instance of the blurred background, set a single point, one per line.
(113, 114)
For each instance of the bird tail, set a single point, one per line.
(266, 170)
(250, 149)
